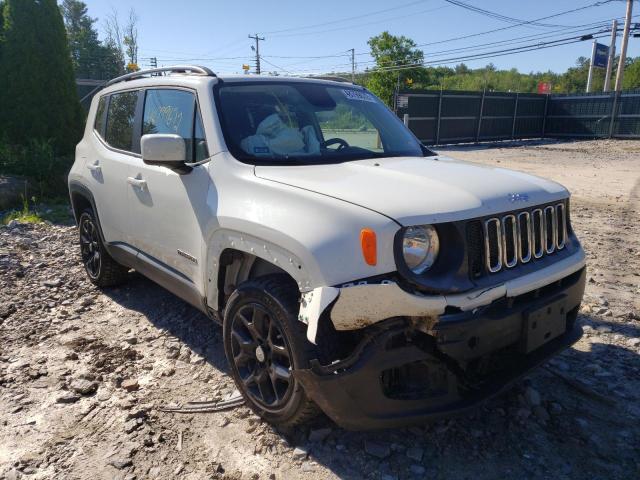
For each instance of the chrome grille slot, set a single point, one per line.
(493, 244)
(561, 221)
(525, 236)
(518, 238)
(538, 233)
(551, 234)
(509, 241)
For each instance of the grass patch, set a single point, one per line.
(57, 213)
(22, 217)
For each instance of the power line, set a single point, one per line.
(527, 22)
(274, 65)
(527, 38)
(522, 39)
(332, 22)
(520, 23)
(359, 25)
(339, 54)
(474, 48)
(481, 46)
(497, 16)
(493, 54)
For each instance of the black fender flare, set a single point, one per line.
(78, 188)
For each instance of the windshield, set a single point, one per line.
(300, 122)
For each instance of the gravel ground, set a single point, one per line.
(84, 372)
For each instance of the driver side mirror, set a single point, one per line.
(165, 149)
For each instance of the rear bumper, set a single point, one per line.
(400, 376)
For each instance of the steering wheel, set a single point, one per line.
(332, 141)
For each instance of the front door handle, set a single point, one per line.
(137, 182)
(95, 167)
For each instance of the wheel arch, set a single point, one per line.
(234, 257)
(81, 198)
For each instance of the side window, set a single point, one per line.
(120, 120)
(170, 111)
(99, 122)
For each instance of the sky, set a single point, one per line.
(313, 37)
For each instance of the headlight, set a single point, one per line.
(420, 247)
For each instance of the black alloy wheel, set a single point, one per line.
(101, 268)
(90, 247)
(265, 345)
(262, 356)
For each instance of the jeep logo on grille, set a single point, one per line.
(518, 197)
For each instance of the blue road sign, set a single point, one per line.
(600, 56)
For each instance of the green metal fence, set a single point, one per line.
(440, 117)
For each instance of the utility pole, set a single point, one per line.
(353, 64)
(153, 63)
(591, 67)
(257, 49)
(612, 56)
(623, 49)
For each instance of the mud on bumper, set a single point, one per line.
(398, 375)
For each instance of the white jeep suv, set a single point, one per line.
(353, 270)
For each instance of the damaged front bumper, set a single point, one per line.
(400, 373)
(360, 305)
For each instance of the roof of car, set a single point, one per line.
(196, 75)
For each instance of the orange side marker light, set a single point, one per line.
(369, 247)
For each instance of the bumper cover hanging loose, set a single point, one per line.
(353, 391)
(360, 305)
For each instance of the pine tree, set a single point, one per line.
(91, 58)
(37, 86)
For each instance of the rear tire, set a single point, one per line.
(264, 343)
(101, 268)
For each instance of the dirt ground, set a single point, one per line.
(84, 372)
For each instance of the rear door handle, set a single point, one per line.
(95, 167)
(137, 182)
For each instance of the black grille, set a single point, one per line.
(475, 248)
(537, 228)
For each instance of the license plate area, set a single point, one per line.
(543, 324)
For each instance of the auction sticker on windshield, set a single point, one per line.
(356, 95)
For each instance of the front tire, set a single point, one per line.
(264, 343)
(101, 268)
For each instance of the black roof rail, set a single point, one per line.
(190, 69)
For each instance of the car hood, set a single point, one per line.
(417, 190)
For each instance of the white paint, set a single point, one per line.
(361, 305)
(305, 219)
(163, 147)
(415, 191)
(313, 304)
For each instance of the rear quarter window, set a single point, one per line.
(101, 117)
(121, 119)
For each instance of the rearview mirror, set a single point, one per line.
(165, 149)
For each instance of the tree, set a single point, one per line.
(1, 30)
(91, 59)
(125, 41)
(390, 51)
(131, 38)
(37, 85)
(631, 79)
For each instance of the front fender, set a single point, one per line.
(268, 250)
